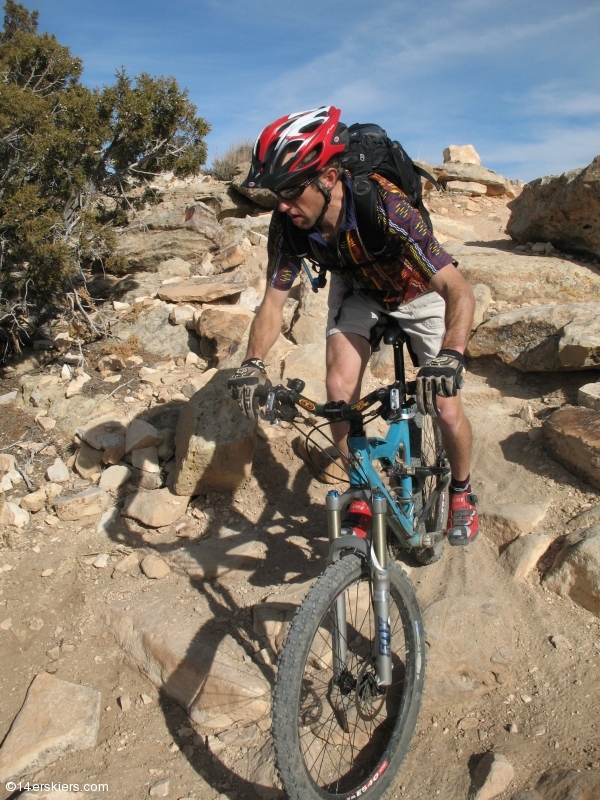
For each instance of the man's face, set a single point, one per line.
(304, 210)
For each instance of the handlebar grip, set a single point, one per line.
(263, 390)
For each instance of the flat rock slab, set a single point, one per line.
(88, 460)
(576, 571)
(214, 441)
(155, 508)
(141, 434)
(521, 556)
(572, 436)
(546, 338)
(564, 784)
(83, 504)
(589, 396)
(105, 431)
(214, 558)
(586, 519)
(114, 477)
(203, 290)
(57, 718)
(306, 361)
(503, 524)
(472, 643)
(219, 691)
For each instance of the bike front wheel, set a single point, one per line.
(335, 732)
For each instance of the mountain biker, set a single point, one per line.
(414, 280)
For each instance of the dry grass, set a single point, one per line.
(224, 167)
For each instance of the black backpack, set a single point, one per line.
(370, 150)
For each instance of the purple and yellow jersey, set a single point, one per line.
(412, 254)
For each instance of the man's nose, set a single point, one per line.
(284, 205)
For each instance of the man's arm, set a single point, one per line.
(266, 326)
(460, 305)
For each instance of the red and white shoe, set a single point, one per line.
(463, 522)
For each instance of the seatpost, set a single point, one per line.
(399, 360)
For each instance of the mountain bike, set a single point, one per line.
(350, 675)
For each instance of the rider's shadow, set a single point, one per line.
(212, 671)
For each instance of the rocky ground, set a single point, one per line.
(171, 616)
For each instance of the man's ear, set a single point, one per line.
(330, 177)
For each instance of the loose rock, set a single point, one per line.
(492, 776)
(83, 504)
(154, 567)
(155, 508)
(58, 472)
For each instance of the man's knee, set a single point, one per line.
(451, 414)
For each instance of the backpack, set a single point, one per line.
(371, 150)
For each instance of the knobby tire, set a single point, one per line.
(340, 738)
(427, 450)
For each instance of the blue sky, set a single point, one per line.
(518, 79)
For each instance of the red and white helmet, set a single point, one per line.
(295, 148)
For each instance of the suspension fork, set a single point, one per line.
(339, 631)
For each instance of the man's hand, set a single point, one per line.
(441, 376)
(244, 382)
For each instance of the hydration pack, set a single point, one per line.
(370, 151)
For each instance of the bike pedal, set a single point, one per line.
(460, 539)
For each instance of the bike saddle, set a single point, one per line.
(393, 333)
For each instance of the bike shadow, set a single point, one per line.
(208, 672)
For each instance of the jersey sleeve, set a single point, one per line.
(282, 266)
(406, 228)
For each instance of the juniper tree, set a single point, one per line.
(68, 157)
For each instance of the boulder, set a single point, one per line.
(503, 524)
(463, 153)
(564, 784)
(572, 436)
(218, 689)
(57, 717)
(141, 434)
(83, 504)
(200, 290)
(561, 209)
(224, 330)
(157, 334)
(466, 187)
(114, 477)
(454, 171)
(576, 571)
(522, 555)
(472, 648)
(310, 320)
(214, 442)
(262, 197)
(306, 362)
(589, 396)
(155, 508)
(546, 338)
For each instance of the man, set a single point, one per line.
(414, 280)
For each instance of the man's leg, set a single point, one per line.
(456, 435)
(347, 357)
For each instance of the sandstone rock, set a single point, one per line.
(127, 564)
(589, 396)
(34, 502)
(272, 617)
(58, 472)
(200, 290)
(262, 197)
(576, 571)
(483, 298)
(155, 508)
(504, 523)
(7, 463)
(155, 567)
(76, 385)
(146, 459)
(181, 315)
(228, 258)
(224, 330)
(105, 431)
(218, 690)
(83, 504)
(114, 477)
(141, 434)
(46, 423)
(466, 187)
(214, 558)
(463, 153)
(471, 642)
(214, 442)
(586, 519)
(311, 317)
(88, 461)
(492, 776)
(572, 436)
(56, 718)
(542, 339)
(454, 171)
(159, 336)
(306, 361)
(160, 788)
(11, 514)
(112, 455)
(521, 556)
(175, 268)
(564, 784)
(561, 209)
(444, 228)
(8, 398)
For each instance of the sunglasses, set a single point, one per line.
(292, 192)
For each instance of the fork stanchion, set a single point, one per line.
(381, 592)
(334, 515)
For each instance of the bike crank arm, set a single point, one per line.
(381, 593)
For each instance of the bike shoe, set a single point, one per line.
(463, 522)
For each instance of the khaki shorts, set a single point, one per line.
(422, 319)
